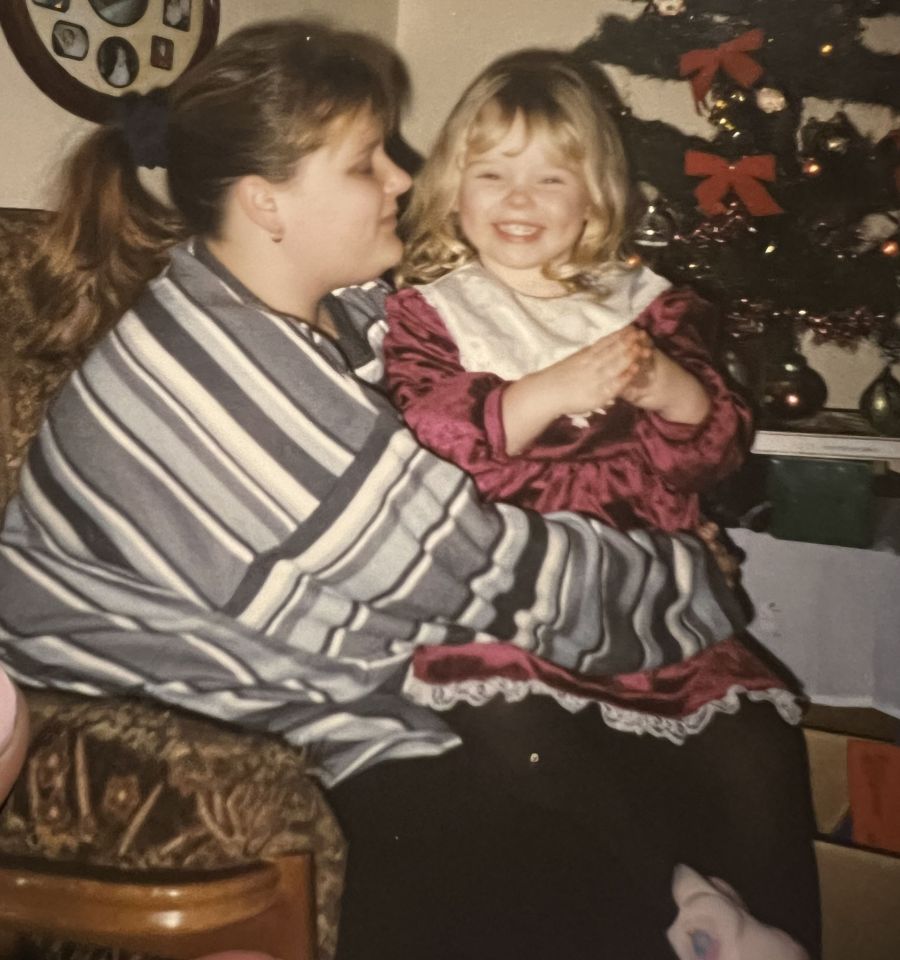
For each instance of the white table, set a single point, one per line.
(831, 614)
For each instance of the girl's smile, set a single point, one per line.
(518, 231)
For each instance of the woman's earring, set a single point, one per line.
(276, 236)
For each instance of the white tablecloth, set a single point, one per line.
(831, 614)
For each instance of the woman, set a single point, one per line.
(220, 514)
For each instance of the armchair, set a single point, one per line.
(134, 825)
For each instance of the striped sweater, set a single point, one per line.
(220, 514)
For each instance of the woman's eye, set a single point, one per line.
(364, 166)
(487, 175)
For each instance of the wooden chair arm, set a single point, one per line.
(254, 908)
(145, 791)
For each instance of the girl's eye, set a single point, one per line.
(488, 175)
(553, 180)
(365, 170)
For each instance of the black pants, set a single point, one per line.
(550, 835)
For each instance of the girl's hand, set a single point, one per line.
(593, 377)
(589, 379)
(666, 388)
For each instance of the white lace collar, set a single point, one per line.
(511, 334)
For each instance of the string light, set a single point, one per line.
(826, 49)
(812, 168)
(890, 248)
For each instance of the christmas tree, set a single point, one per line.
(772, 202)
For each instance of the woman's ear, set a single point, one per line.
(257, 199)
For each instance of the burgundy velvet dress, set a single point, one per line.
(628, 468)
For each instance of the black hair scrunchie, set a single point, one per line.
(144, 121)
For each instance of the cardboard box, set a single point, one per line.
(860, 887)
(828, 775)
(874, 775)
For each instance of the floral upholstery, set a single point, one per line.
(134, 785)
(44, 949)
(130, 783)
(25, 384)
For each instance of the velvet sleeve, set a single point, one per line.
(690, 457)
(454, 412)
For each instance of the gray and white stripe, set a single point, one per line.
(220, 514)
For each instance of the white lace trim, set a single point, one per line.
(675, 729)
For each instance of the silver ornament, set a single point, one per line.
(669, 8)
(770, 100)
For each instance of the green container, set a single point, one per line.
(822, 501)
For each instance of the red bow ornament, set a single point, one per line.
(742, 177)
(732, 57)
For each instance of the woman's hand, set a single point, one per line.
(589, 379)
(665, 387)
(710, 533)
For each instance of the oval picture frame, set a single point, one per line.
(160, 48)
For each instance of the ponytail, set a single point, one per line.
(108, 238)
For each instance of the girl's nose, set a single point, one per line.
(518, 196)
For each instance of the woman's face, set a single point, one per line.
(339, 210)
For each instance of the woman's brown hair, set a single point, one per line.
(257, 104)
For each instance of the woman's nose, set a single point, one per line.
(397, 181)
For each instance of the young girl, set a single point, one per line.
(560, 376)
(524, 348)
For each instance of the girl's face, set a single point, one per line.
(522, 207)
(339, 210)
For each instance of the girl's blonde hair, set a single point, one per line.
(261, 100)
(557, 96)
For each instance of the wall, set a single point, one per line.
(446, 42)
(35, 132)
